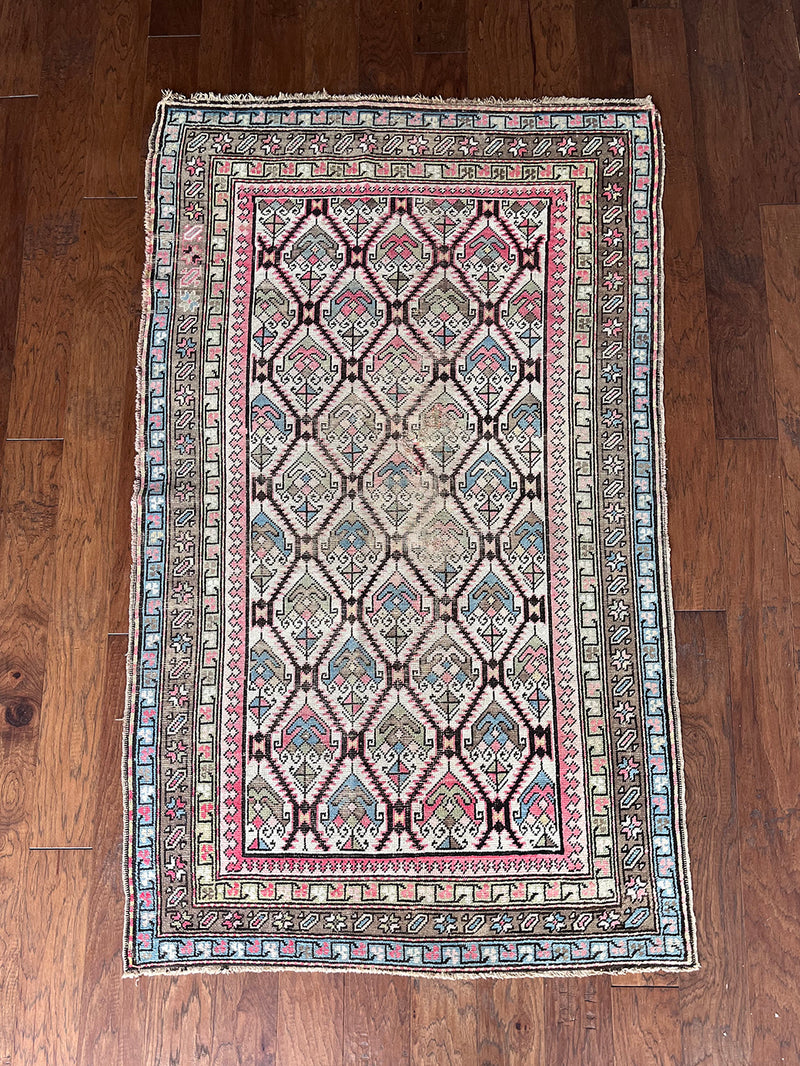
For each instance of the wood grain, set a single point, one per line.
(120, 552)
(169, 17)
(644, 980)
(500, 45)
(119, 582)
(52, 227)
(444, 1020)
(773, 843)
(734, 270)
(114, 160)
(605, 71)
(511, 1025)
(226, 33)
(661, 69)
(385, 45)
(171, 64)
(440, 74)
(71, 720)
(440, 26)
(28, 513)
(21, 33)
(262, 47)
(331, 46)
(28, 507)
(170, 1019)
(220, 1019)
(767, 741)
(714, 1008)
(646, 1026)
(780, 228)
(579, 1021)
(310, 1019)
(377, 1019)
(100, 1038)
(277, 50)
(16, 140)
(246, 1020)
(772, 66)
(555, 47)
(54, 916)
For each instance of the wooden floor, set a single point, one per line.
(78, 83)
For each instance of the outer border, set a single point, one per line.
(659, 509)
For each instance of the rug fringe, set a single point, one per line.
(168, 96)
(257, 966)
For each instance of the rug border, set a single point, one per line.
(646, 103)
(137, 500)
(670, 640)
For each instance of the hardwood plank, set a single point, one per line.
(114, 161)
(168, 1019)
(16, 140)
(755, 562)
(511, 1027)
(772, 66)
(277, 61)
(53, 223)
(65, 794)
(606, 71)
(44, 325)
(500, 48)
(54, 915)
(767, 741)
(644, 980)
(120, 550)
(646, 1029)
(175, 18)
(120, 573)
(101, 993)
(661, 69)
(385, 45)
(444, 1020)
(382, 1035)
(579, 1021)
(310, 1015)
(32, 476)
(734, 270)
(28, 507)
(780, 229)
(226, 33)
(440, 26)
(171, 64)
(555, 48)
(714, 1008)
(331, 46)
(225, 1019)
(21, 32)
(440, 74)
(245, 1019)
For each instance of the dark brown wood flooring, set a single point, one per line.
(78, 83)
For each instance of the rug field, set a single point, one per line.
(401, 680)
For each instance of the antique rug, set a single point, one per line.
(401, 671)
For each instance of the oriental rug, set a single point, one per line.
(401, 675)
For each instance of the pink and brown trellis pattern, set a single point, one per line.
(401, 674)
